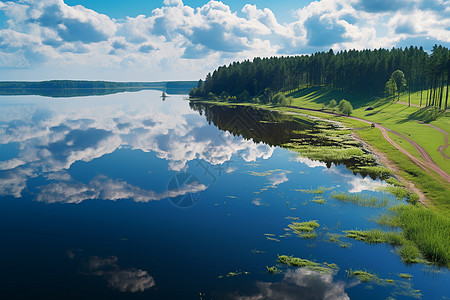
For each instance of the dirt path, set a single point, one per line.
(428, 164)
(441, 148)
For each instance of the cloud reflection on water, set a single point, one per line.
(52, 136)
(300, 283)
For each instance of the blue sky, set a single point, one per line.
(148, 40)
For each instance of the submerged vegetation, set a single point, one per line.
(361, 199)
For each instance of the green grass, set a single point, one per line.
(335, 238)
(304, 263)
(304, 229)
(393, 181)
(405, 275)
(425, 234)
(272, 270)
(361, 199)
(319, 200)
(398, 117)
(376, 236)
(319, 190)
(401, 193)
(363, 276)
(428, 230)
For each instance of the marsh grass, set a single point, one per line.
(233, 274)
(393, 181)
(376, 236)
(401, 193)
(305, 229)
(272, 270)
(361, 199)
(304, 263)
(427, 229)
(319, 190)
(332, 265)
(318, 200)
(363, 276)
(335, 238)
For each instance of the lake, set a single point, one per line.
(128, 196)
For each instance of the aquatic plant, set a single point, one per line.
(296, 262)
(304, 263)
(305, 229)
(427, 229)
(272, 270)
(361, 199)
(401, 193)
(363, 276)
(319, 200)
(405, 275)
(332, 265)
(304, 226)
(376, 236)
(233, 274)
(335, 238)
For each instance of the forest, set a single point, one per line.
(363, 72)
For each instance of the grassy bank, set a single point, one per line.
(425, 234)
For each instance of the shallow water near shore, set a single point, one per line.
(128, 196)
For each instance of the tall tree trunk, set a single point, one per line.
(441, 93)
(421, 90)
(409, 95)
(446, 95)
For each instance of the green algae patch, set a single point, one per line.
(405, 275)
(361, 199)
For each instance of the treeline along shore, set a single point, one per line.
(76, 88)
(363, 72)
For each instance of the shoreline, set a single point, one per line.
(384, 157)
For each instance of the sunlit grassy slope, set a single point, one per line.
(398, 117)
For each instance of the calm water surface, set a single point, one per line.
(128, 196)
